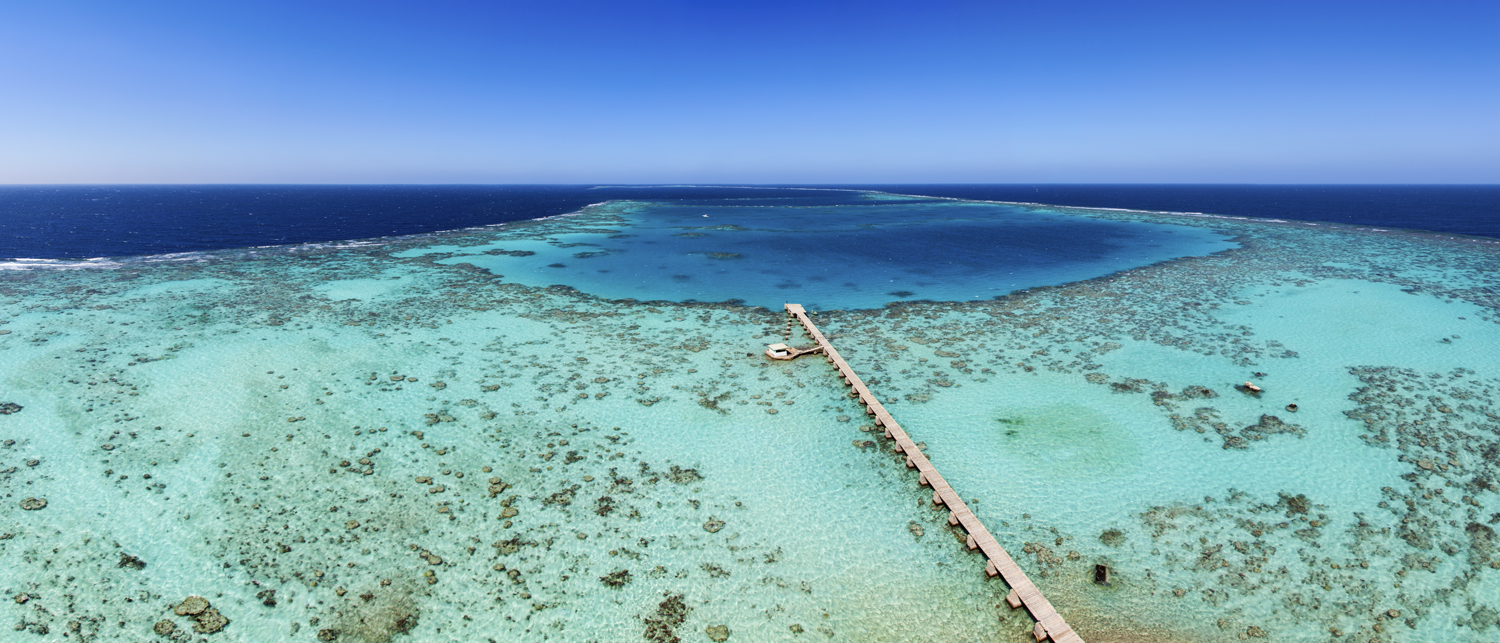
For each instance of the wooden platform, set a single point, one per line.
(1023, 592)
(784, 352)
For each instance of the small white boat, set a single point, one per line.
(782, 351)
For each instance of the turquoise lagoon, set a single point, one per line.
(547, 431)
(766, 253)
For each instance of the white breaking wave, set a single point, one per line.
(97, 263)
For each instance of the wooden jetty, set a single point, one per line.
(782, 351)
(1023, 593)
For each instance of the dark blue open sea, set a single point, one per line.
(57, 222)
(373, 414)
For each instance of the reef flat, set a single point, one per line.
(396, 440)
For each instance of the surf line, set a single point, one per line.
(1049, 624)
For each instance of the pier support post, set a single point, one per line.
(1035, 604)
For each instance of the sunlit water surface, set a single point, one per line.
(424, 439)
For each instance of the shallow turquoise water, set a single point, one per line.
(289, 408)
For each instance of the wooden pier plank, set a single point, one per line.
(1023, 592)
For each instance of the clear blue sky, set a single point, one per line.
(748, 92)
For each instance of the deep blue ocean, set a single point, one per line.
(238, 379)
(57, 222)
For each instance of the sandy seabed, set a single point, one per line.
(386, 442)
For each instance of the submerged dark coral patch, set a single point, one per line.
(1441, 507)
(661, 627)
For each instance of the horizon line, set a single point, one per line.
(731, 185)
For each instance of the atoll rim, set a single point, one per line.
(431, 439)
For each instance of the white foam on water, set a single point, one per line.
(271, 378)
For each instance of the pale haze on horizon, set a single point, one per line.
(684, 92)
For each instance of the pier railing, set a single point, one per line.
(1023, 593)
